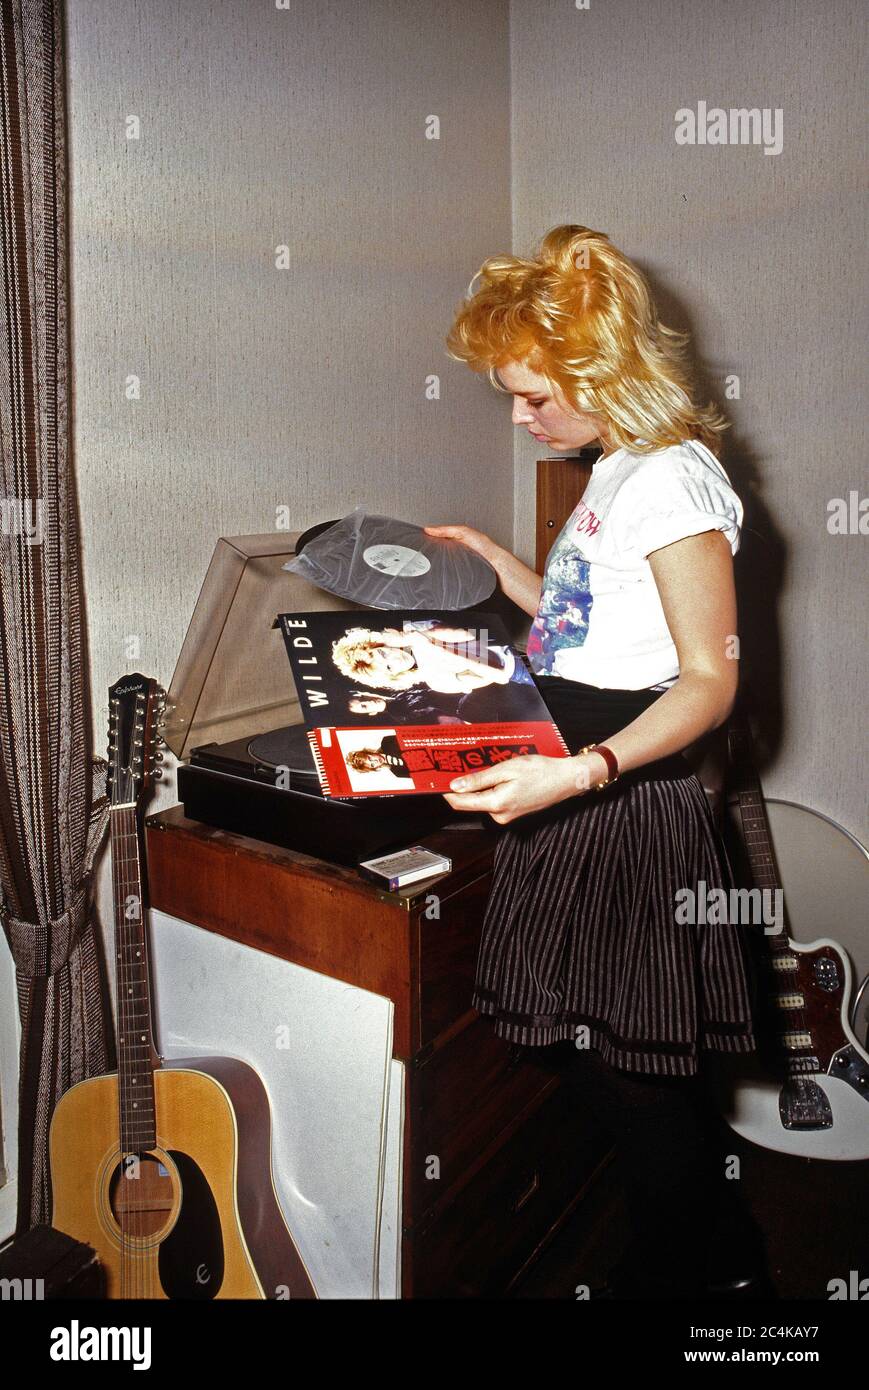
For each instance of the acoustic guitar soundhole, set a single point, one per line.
(141, 1195)
(190, 1256)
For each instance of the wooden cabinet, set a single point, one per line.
(560, 484)
(496, 1152)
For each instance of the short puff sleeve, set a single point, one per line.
(675, 494)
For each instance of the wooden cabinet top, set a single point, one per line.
(469, 847)
(328, 918)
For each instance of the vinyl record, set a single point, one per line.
(381, 562)
(313, 531)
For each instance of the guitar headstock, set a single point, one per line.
(739, 741)
(136, 705)
(743, 744)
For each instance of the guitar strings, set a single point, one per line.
(136, 1274)
(114, 850)
(138, 934)
(766, 875)
(141, 1264)
(122, 982)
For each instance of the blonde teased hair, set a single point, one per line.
(352, 655)
(581, 315)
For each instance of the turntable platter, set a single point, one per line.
(287, 747)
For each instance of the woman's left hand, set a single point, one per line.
(522, 784)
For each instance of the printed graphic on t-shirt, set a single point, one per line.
(583, 522)
(565, 607)
(600, 620)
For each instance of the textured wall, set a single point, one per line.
(763, 258)
(256, 387)
(305, 127)
(259, 387)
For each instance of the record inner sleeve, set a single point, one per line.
(382, 562)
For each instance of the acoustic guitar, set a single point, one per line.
(806, 1090)
(164, 1167)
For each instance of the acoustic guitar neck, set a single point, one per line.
(133, 708)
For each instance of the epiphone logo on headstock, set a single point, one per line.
(126, 689)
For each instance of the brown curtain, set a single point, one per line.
(53, 810)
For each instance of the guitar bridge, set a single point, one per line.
(803, 1064)
(803, 1105)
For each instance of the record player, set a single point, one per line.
(234, 722)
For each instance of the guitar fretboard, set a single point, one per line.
(135, 1041)
(757, 839)
(794, 1033)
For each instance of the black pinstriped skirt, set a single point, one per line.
(580, 927)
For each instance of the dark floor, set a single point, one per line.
(814, 1217)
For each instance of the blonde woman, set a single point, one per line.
(389, 659)
(632, 645)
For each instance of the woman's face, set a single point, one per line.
(363, 704)
(391, 661)
(545, 415)
(374, 759)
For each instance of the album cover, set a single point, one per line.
(408, 702)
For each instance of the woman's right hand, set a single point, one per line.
(474, 540)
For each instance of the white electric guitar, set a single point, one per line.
(806, 1090)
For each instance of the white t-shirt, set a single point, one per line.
(600, 619)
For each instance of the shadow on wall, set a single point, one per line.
(760, 562)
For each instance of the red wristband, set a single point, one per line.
(609, 757)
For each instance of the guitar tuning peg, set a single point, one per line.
(157, 774)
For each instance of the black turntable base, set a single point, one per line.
(267, 787)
